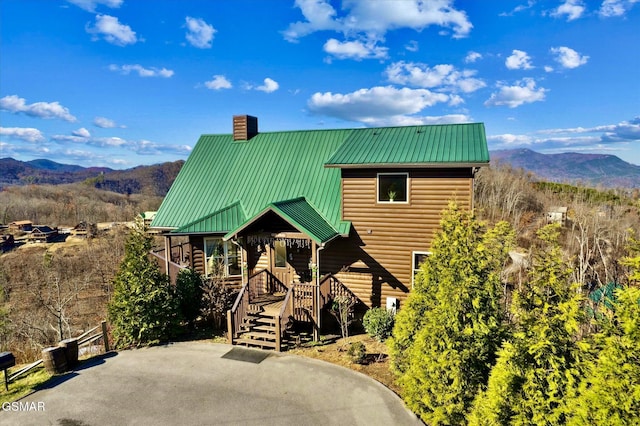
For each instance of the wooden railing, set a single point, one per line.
(237, 313)
(264, 282)
(304, 302)
(300, 303)
(286, 312)
(174, 268)
(330, 287)
(83, 339)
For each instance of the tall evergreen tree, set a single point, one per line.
(609, 393)
(143, 309)
(538, 368)
(446, 336)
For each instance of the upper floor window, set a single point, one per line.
(393, 187)
(223, 255)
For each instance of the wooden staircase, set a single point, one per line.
(259, 327)
(258, 330)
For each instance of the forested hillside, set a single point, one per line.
(150, 180)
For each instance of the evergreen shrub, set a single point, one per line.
(378, 323)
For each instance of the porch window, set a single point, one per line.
(418, 257)
(392, 187)
(223, 254)
(281, 254)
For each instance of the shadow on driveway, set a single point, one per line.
(203, 383)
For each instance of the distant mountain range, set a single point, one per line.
(586, 169)
(150, 180)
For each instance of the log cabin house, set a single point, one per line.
(43, 234)
(295, 218)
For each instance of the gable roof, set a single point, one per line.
(302, 215)
(269, 167)
(424, 146)
(226, 184)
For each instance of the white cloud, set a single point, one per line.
(112, 31)
(199, 33)
(70, 138)
(547, 68)
(372, 19)
(444, 76)
(218, 82)
(612, 8)
(81, 132)
(104, 123)
(625, 130)
(28, 134)
(357, 50)
(372, 105)
(412, 46)
(145, 147)
(568, 57)
(16, 105)
(472, 57)
(519, 60)
(269, 86)
(510, 139)
(90, 5)
(523, 92)
(519, 8)
(414, 120)
(142, 71)
(572, 9)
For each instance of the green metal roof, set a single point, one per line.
(229, 217)
(424, 146)
(225, 183)
(302, 215)
(269, 167)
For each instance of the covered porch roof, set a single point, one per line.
(301, 215)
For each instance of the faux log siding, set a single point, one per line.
(197, 254)
(390, 232)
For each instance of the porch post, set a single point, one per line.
(167, 253)
(317, 313)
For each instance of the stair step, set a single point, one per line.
(265, 319)
(259, 335)
(258, 327)
(265, 328)
(251, 342)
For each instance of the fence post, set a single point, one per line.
(105, 336)
(230, 326)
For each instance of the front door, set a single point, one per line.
(280, 265)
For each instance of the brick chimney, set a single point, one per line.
(244, 127)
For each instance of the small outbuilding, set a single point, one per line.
(557, 215)
(21, 225)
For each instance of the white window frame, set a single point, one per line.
(226, 246)
(407, 186)
(415, 270)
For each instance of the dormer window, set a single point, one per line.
(393, 187)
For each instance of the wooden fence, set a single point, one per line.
(83, 340)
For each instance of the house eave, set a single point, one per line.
(408, 165)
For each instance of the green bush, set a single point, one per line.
(189, 294)
(378, 323)
(357, 352)
(143, 309)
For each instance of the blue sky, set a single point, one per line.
(119, 83)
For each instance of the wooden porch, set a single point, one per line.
(266, 310)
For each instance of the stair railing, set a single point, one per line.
(284, 316)
(237, 313)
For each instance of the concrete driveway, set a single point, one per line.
(201, 383)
